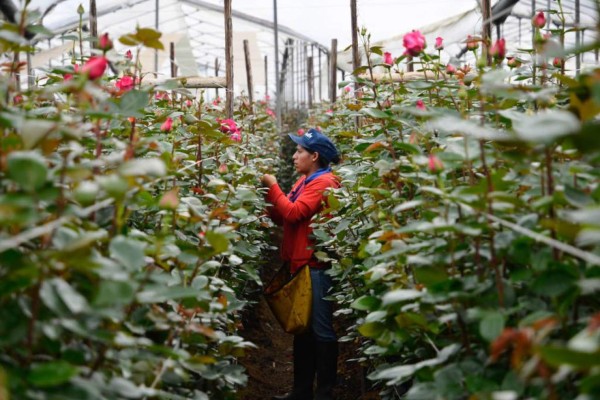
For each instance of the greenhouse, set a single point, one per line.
(217, 199)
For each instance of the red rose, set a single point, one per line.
(387, 58)
(94, 68)
(125, 83)
(105, 44)
(498, 50)
(435, 164)
(128, 55)
(421, 105)
(539, 20)
(167, 125)
(439, 43)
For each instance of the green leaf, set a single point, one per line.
(546, 126)
(128, 252)
(34, 130)
(430, 274)
(559, 356)
(74, 301)
(375, 113)
(553, 283)
(218, 241)
(28, 169)
(52, 373)
(366, 303)
(371, 329)
(112, 293)
(401, 295)
(133, 102)
(491, 325)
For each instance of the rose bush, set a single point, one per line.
(126, 249)
(464, 239)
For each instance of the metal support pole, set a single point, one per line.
(156, 26)
(277, 85)
(310, 80)
(228, 58)
(355, 56)
(577, 36)
(217, 73)
(320, 79)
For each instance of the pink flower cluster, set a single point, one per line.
(230, 127)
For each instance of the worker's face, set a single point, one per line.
(304, 161)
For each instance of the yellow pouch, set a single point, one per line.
(290, 299)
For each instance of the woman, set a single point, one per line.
(315, 352)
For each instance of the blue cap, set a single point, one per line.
(314, 140)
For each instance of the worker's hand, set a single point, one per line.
(268, 180)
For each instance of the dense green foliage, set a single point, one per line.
(130, 232)
(467, 228)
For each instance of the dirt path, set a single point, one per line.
(269, 366)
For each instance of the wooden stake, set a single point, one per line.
(486, 34)
(217, 72)
(172, 58)
(249, 76)
(266, 78)
(94, 23)
(333, 71)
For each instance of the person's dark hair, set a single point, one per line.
(323, 162)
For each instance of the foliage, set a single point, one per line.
(466, 231)
(130, 227)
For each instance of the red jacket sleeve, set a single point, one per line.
(306, 205)
(275, 215)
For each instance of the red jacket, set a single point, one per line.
(297, 248)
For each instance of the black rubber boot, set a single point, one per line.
(327, 354)
(304, 368)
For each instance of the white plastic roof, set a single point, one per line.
(516, 30)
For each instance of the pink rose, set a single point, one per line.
(167, 125)
(128, 55)
(435, 164)
(539, 20)
(498, 50)
(387, 58)
(125, 83)
(421, 105)
(450, 69)
(348, 89)
(105, 44)
(236, 136)
(216, 101)
(472, 43)
(329, 112)
(439, 45)
(161, 96)
(414, 42)
(270, 112)
(94, 68)
(227, 125)
(188, 103)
